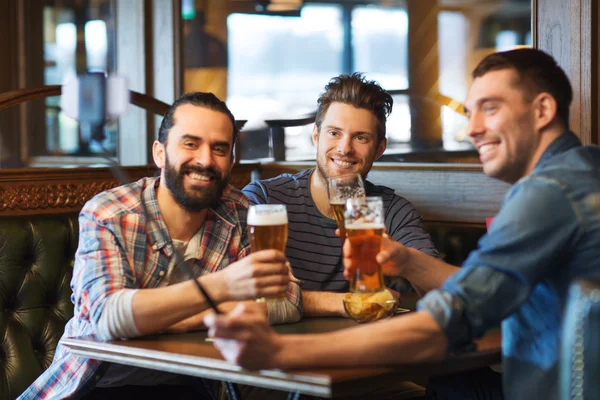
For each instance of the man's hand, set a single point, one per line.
(392, 257)
(261, 274)
(244, 337)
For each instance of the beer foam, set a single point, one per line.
(364, 225)
(267, 216)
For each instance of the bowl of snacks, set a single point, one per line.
(368, 307)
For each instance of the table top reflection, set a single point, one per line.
(191, 354)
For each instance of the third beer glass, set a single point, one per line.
(364, 226)
(340, 189)
(267, 227)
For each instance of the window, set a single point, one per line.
(379, 44)
(279, 65)
(60, 65)
(48, 42)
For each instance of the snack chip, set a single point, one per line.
(366, 307)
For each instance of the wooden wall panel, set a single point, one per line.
(462, 195)
(568, 31)
(449, 193)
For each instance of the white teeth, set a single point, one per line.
(486, 147)
(200, 177)
(342, 163)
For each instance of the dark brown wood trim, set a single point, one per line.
(149, 71)
(50, 191)
(177, 48)
(568, 31)
(534, 24)
(22, 79)
(590, 52)
(30, 191)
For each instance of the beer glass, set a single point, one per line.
(365, 224)
(267, 229)
(340, 189)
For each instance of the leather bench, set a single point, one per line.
(36, 266)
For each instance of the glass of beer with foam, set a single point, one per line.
(365, 225)
(340, 189)
(267, 227)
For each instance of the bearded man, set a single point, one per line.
(127, 280)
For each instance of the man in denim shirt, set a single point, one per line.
(546, 234)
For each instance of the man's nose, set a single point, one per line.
(345, 145)
(475, 127)
(204, 156)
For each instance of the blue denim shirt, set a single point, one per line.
(546, 234)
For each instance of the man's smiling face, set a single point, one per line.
(196, 160)
(502, 125)
(347, 141)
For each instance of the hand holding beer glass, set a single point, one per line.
(267, 227)
(340, 189)
(365, 224)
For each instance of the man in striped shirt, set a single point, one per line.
(127, 281)
(349, 135)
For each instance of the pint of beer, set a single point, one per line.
(337, 208)
(364, 227)
(339, 189)
(267, 227)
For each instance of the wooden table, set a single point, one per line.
(190, 354)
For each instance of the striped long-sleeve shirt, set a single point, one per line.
(313, 249)
(123, 247)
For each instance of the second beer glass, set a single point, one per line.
(365, 224)
(340, 189)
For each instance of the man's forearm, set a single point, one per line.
(321, 304)
(154, 310)
(195, 322)
(412, 338)
(426, 273)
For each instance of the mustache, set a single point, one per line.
(210, 171)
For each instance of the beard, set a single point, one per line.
(196, 198)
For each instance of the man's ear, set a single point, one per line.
(545, 110)
(315, 136)
(158, 154)
(381, 148)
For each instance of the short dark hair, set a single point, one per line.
(198, 99)
(538, 72)
(359, 92)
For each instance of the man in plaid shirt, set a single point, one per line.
(126, 282)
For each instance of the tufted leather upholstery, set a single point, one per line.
(454, 241)
(36, 266)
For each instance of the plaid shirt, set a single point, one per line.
(119, 248)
